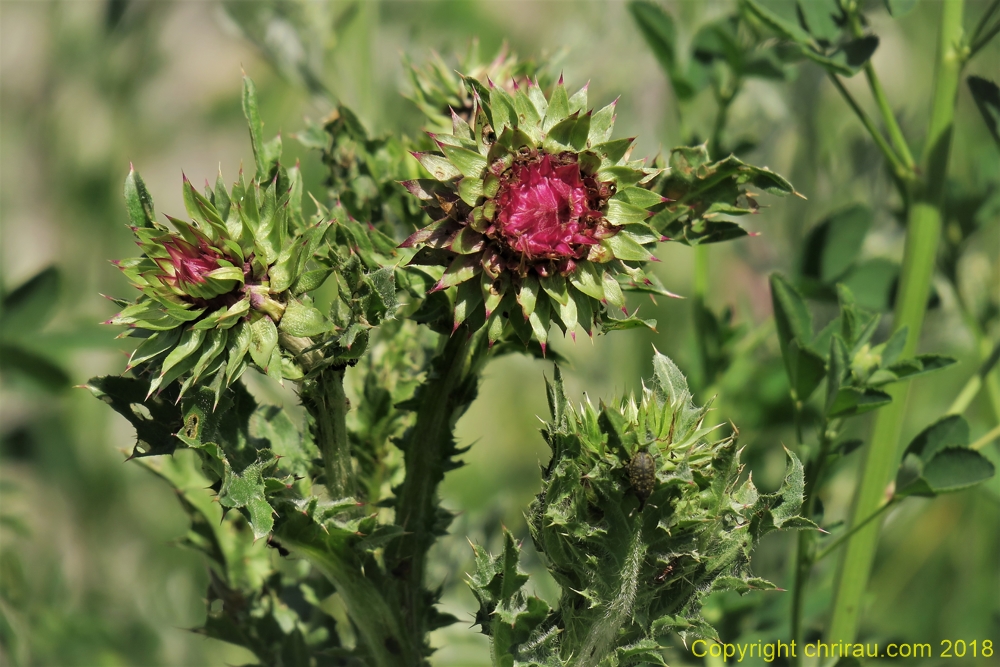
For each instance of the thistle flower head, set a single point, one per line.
(218, 290)
(546, 210)
(538, 214)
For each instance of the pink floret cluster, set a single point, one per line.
(188, 263)
(543, 212)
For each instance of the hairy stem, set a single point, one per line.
(326, 402)
(923, 232)
(804, 555)
(602, 634)
(451, 385)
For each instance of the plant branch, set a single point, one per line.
(978, 45)
(923, 232)
(701, 263)
(326, 402)
(804, 557)
(986, 439)
(846, 535)
(899, 170)
(975, 383)
(888, 117)
(982, 35)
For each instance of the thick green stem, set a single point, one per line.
(923, 231)
(326, 402)
(428, 446)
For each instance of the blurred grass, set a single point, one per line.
(88, 574)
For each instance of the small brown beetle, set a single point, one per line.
(642, 475)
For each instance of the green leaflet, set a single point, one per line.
(263, 339)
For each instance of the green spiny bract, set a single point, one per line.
(538, 214)
(632, 571)
(438, 90)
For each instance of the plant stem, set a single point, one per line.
(451, 385)
(975, 383)
(986, 439)
(923, 232)
(701, 264)
(888, 117)
(984, 19)
(982, 35)
(700, 287)
(899, 170)
(326, 402)
(804, 558)
(843, 537)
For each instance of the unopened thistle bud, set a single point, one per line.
(218, 292)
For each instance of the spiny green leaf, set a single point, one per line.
(138, 201)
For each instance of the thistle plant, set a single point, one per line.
(532, 215)
(641, 515)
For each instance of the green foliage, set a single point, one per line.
(723, 53)
(438, 90)
(25, 311)
(987, 96)
(701, 191)
(939, 461)
(822, 36)
(630, 571)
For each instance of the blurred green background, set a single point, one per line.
(88, 571)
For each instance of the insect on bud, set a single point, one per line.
(642, 475)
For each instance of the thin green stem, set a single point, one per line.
(978, 45)
(986, 439)
(964, 398)
(899, 169)
(700, 288)
(806, 540)
(975, 383)
(984, 19)
(888, 117)
(982, 35)
(846, 535)
(895, 132)
(923, 232)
